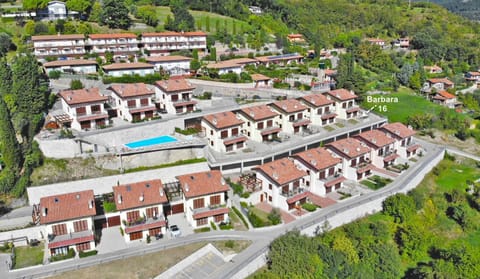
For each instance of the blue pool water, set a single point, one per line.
(150, 142)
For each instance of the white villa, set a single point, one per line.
(133, 101)
(175, 96)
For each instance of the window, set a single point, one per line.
(80, 226)
(248, 123)
(319, 111)
(291, 118)
(202, 222)
(229, 147)
(331, 171)
(270, 199)
(344, 105)
(223, 134)
(155, 231)
(152, 212)
(81, 111)
(269, 123)
(83, 246)
(234, 132)
(214, 200)
(321, 175)
(219, 218)
(299, 116)
(133, 215)
(60, 229)
(270, 186)
(240, 145)
(211, 143)
(174, 98)
(144, 102)
(211, 132)
(327, 109)
(131, 103)
(353, 162)
(136, 235)
(96, 109)
(198, 203)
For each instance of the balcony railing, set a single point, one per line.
(143, 221)
(295, 191)
(52, 238)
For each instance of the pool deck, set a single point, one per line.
(150, 142)
(194, 142)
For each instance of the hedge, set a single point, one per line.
(82, 254)
(69, 255)
(240, 215)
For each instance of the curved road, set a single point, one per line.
(260, 238)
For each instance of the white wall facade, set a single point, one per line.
(123, 109)
(189, 209)
(71, 231)
(215, 139)
(252, 130)
(72, 112)
(123, 72)
(316, 113)
(83, 69)
(143, 214)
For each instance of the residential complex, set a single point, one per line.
(260, 124)
(345, 105)
(175, 96)
(59, 45)
(291, 118)
(133, 102)
(174, 65)
(222, 131)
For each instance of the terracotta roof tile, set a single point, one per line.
(330, 72)
(445, 94)
(289, 56)
(440, 80)
(295, 36)
(289, 105)
(342, 94)
(80, 96)
(213, 212)
(168, 58)
(58, 37)
(69, 206)
(349, 147)
(317, 100)
(222, 120)
(398, 129)
(259, 77)
(376, 138)
(243, 61)
(202, 183)
(224, 65)
(281, 171)
(122, 66)
(74, 62)
(174, 85)
(131, 90)
(260, 112)
(112, 36)
(139, 194)
(474, 73)
(317, 158)
(71, 241)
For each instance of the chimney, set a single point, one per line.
(186, 187)
(161, 192)
(44, 211)
(119, 199)
(90, 204)
(275, 175)
(141, 198)
(222, 180)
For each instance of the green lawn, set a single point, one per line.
(28, 256)
(370, 184)
(454, 176)
(201, 16)
(408, 104)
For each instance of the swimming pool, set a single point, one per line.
(150, 142)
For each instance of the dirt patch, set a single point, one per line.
(442, 138)
(61, 170)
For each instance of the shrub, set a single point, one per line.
(69, 255)
(275, 216)
(109, 206)
(76, 84)
(205, 96)
(245, 195)
(188, 131)
(224, 226)
(244, 204)
(229, 244)
(214, 227)
(200, 230)
(149, 239)
(121, 231)
(240, 215)
(309, 207)
(256, 221)
(82, 254)
(54, 74)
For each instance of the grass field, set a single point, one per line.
(201, 17)
(28, 256)
(408, 104)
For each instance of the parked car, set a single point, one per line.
(175, 231)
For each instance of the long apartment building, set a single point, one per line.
(121, 44)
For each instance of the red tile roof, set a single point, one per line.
(80, 96)
(398, 129)
(440, 80)
(69, 206)
(281, 171)
(112, 36)
(139, 194)
(445, 94)
(259, 77)
(349, 147)
(474, 73)
(58, 37)
(74, 62)
(194, 33)
(317, 158)
(213, 212)
(122, 66)
(222, 120)
(375, 138)
(260, 112)
(71, 241)
(286, 57)
(243, 60)
(317, 100)
(289, 106)
(202, 183)
(131, 90)
(330, 72)
(174, 85)
(342, 94)
(171, 33)
(224, 65)
(168, 58)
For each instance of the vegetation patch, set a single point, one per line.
(177, 163)
(28, 256)
(69, 255)
(240, 215)
(309, 207)
(202, 230)
(82, 254)
(188, 131)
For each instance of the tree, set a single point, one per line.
(34, 5)
(147, 14)
(195, 65)
(399, 206)
(10, 149)
(275, 216)
(96, 12)
(182, 19)
(76, 84)
(5, 43)
(207, 23)
(344, 244)
(81, 6)
(115, 14)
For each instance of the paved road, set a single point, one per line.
(261, 238)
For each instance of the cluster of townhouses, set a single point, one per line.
(142, 210)
(87, 108)
(288, 182)
(228, 131)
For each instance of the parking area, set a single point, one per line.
(111, 240)
(181, 222)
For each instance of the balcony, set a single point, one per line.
(364, 167)
(270, 130)
(55, 241)
(142, 224)
(300, 122)
(184, 102)
(295, 191)
(208, 211)
(333, 180)
(234, 139)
